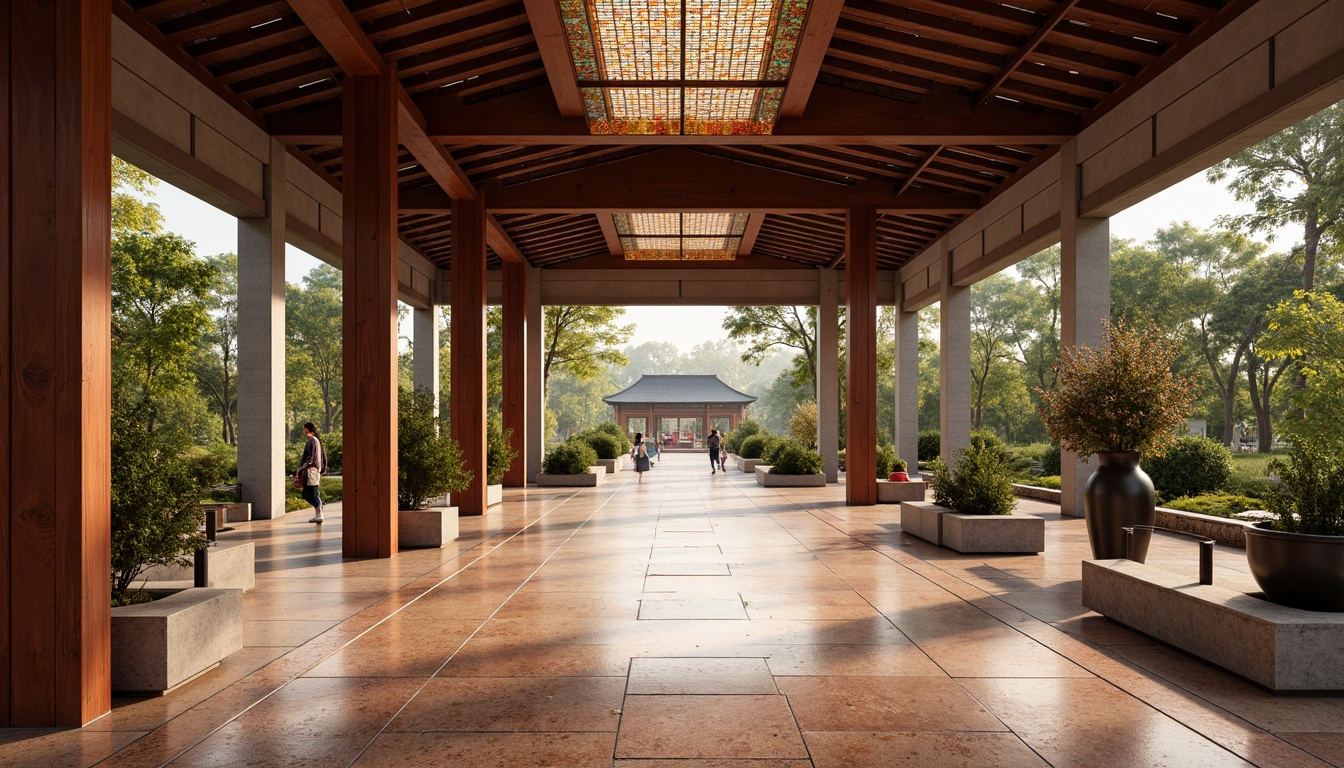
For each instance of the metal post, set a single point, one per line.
(202, 574)
(1129, 543)
(1206, 562)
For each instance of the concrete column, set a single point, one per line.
(261, 348)
(536, 395)
(1084, 299)
(828, 373)
(425, 351)
(907, 389)
(954, 361)
(514, 362)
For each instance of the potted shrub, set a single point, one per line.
(732, 441)
(610, 451)
(791, 464)
(1120, 402)
(429, 462)
(751, 449)
(893, 482)
(973, 508)
(1298, 557)
(571, 463)
(499, 457)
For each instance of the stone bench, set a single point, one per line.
(1017, 533)
(159, 646)
(768, 479)
(1224, 623)
(590, 479)
(431, 527)
(889, 492)
(746, 466)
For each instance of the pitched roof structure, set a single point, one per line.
(679, 389)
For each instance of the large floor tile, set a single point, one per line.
(708, 727)
(490, 750)
(514, 704)
(893, 704)
(682, 675)
(919, 750)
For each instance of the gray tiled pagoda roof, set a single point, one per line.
(684, 389)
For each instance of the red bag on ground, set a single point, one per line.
(899, 477)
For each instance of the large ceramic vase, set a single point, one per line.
(1117, 495)
(1297, 569)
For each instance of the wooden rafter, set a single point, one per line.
(750, 234)
(822, 16)
(918, 169)
(613, 238)
(549, 31)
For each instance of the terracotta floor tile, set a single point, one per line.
(893, 703)
(919, 750)
(283, 633)
(514, 704)
(1327, 746)
(656, 608)
(504, 657)
(400, 647)
(708, 727)
(490, 750)
(901, 659)
(807, 605)
(748, 763)
(741, 675)
(688, 569)
(46, 748)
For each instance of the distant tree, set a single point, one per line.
(217, 362)
(313, 325)
(1310, 327)
(803, 424)
(763, 329)
(1266, 284)
(996, 304)
(1293, 177)
(651, 357)
(1038, 342)
(583, 341)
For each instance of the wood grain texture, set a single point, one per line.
(369, 320)
(6, 371)
(515, 368)
(812, 46)
(861, 357)
(467, 396)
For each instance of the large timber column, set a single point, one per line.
(467, 395)
(954, 361)
(261, 347)
(515, 369)
(907, 389)
(535, 447)
(1084, 299)
(369, 318)
(828, 375)
(861, 357)
(425, 350)
(55, 362)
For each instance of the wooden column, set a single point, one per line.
(55, 362)
(369, 318)
(467, 396)
(861, 357)
(515, 369)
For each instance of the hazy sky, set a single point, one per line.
(1193, 200)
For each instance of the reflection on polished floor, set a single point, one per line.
(696, 621)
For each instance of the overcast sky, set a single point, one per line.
(1193, 200)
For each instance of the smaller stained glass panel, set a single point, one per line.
(688, 236)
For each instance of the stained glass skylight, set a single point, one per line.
(724, 62)
(680, 236)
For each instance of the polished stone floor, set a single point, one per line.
(698, 621)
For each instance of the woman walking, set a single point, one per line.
(715, 442)
(312, 466)
(640, 455)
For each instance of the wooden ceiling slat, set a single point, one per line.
(395, 26)
(466, 32)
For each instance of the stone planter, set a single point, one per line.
(1017, 533)
(234, 512)
(232, 565)
(1297, 569)
(158, 646)
(590, 479)
(768, 479)
(613, 465)
(747, 465)
(494, 494)
(431, 527)
(889, 492)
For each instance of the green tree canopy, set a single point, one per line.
(583, 341)
(131, 210)
(313, 327)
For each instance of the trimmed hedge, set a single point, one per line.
(1220, 504)
(886, 461)
(604, 445)
(791, 457)
(1050, 461)
(745, 428)
(930, 444)
(572, 457)
(981, 483)
(622, 440)
(1194, 465)
(755, 446)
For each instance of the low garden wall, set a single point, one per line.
(1223, 530)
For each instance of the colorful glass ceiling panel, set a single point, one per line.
(725, 63)
(680, 236)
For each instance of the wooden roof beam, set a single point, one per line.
(609, 232)
(549, 31)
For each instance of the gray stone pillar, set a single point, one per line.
(954, 361)
(1084, 299)
(425, 351)
(536, 394)
(828, 375)
(907, 389)
(261, 348)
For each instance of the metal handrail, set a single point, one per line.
(1205, 548)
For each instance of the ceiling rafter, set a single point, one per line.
(549, 31)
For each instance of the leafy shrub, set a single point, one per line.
(745, 428)
(1047, 481)
(499, 455)
(803, 423)
(840, 459)
(572, 457)
(1050, 460)
(930, 445)
(754, 446)
(604, 445)
(792, 457)
(1220, 504)
(1194, 465)
(981, 484)
(886, 461)
(156, 501)
(331, 443)
(623, 444)
(429, 461)
(1310, 494)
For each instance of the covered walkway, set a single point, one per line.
(691, 617)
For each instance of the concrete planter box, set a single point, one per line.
(895, 493)
(769, 479)
(612, 466)
(1016, 533)
(234, 512)
(431, 527)
(1224, 623)
(590, 479)
(1221, 529)
(232, 566)
(158, 646)
(494, 494)
(747, 465)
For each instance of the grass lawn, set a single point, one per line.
(1252, 466)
